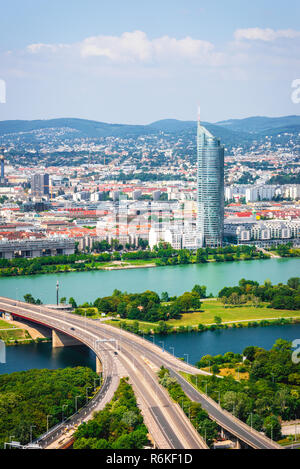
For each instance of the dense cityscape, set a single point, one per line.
(149, 272)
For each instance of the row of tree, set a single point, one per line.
(148, 306)
(279, 296)
(118, 426)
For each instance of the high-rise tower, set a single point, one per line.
(210, 188)
(40, 184)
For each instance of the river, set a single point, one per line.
(25, 357)
(87, 286)
(42, 355)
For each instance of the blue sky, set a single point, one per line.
(138, 61)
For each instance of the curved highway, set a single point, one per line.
(166, 422)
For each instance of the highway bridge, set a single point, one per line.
(124, 354)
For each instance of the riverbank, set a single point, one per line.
(87, 286)
(205, 319)
(17, 333)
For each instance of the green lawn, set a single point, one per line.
(212, 308)
(5, 325)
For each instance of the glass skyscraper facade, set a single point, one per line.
(210, 189)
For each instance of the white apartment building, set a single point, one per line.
(255, 193)
(263, 233)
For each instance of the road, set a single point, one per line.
(167, 423)
(165, 420)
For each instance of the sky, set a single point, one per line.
(139, 61)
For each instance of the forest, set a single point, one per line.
(260, 387)
(27, 397)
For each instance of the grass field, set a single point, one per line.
(5, 325)
(11, 336)
(212, 308)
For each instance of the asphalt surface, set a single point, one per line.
(172, 424)
(132, 349)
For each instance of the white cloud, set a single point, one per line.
(129, 47)
(136, 47)
(40, 47)
(267, 35)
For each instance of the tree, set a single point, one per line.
(294, 283)
(29, 299)
(249, 352)
(165, 296)
(272, 427)
(72, 302)
(255, 421)
(218, 320)
(200, 290)
(162, 328)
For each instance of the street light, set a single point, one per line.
(95, 379)
(187, 357)
(57, 289)
(62, 411)
(163, 344)
(31, 427)
(251, 421)
(173, 351)
(86, 390)
(48, 422)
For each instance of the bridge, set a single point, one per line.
(120, 353)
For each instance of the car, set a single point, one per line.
(72, 328)
(116, 353)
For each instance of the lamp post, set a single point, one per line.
(95, 379)
(251, 420)
(163, 344)
(187, 357)
(48, 422)
(57, 289)
(87, 396)
(31, 427)
(62, 411)
(173, 351)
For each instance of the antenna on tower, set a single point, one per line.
(198, 113)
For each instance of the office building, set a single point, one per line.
(40, 185)
(210, 188)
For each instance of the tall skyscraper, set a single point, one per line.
(40, 185)
(210, 188)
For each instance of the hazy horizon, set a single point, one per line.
(137, 63)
